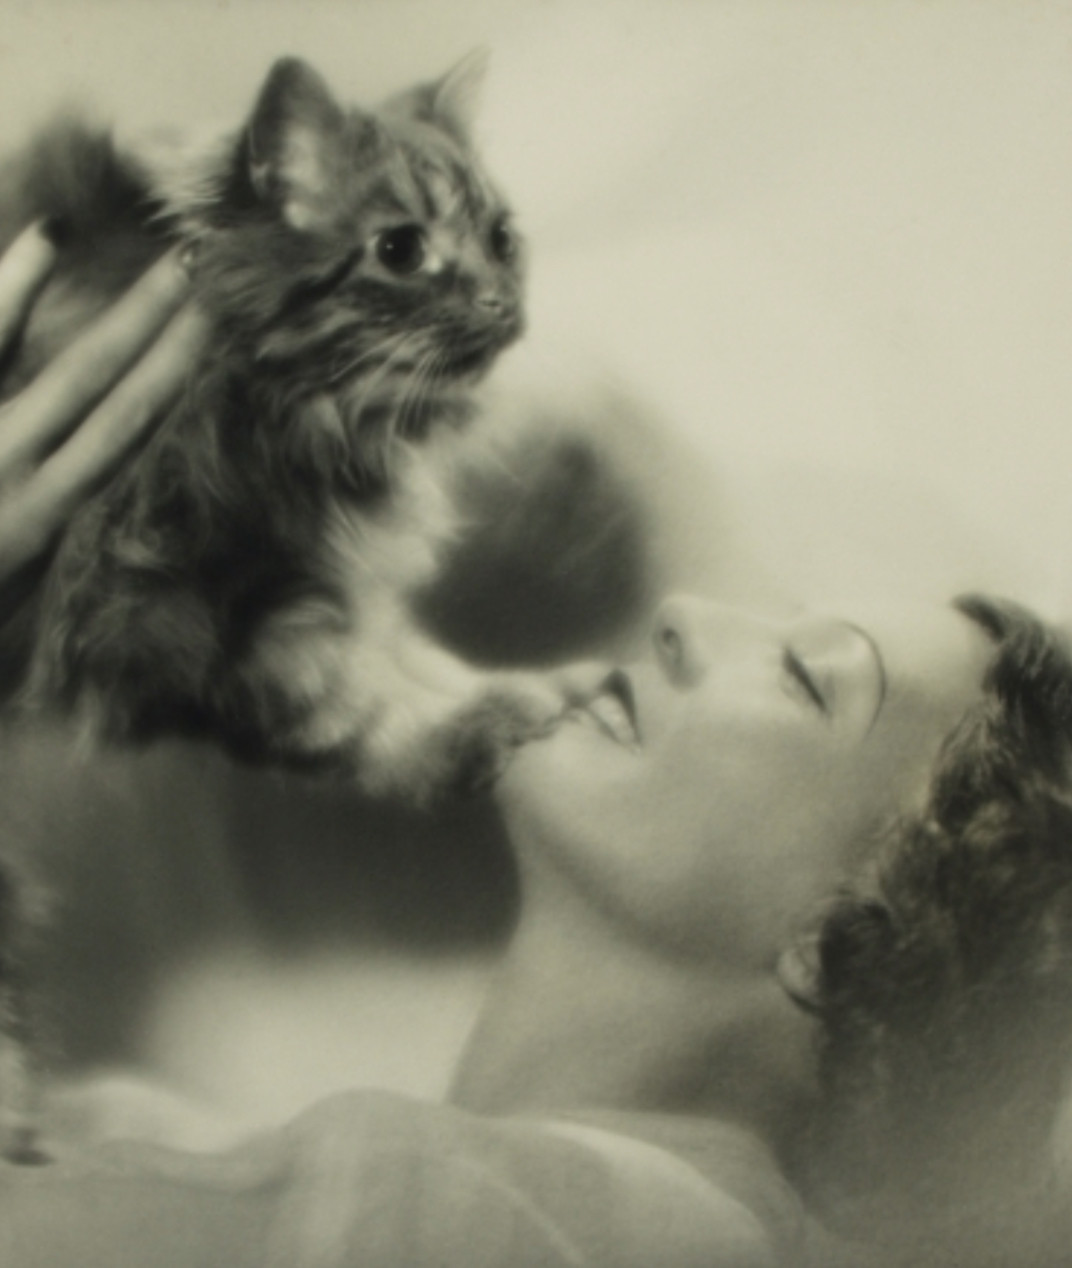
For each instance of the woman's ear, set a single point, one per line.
(797, 971)
(294, 142)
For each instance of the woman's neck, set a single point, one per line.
(580, 1018)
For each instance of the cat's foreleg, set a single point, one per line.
(405, 714)
(450, 725)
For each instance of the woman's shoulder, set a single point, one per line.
(723, 1166)
(592, 1189)
(385, 1180)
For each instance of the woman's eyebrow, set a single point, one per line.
(880, 669)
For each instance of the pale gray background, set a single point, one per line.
(828, 242)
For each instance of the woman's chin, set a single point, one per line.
(553, 757)
(564, 778)
(526, 770)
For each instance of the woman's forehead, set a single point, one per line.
(925, 641)
(935, 659)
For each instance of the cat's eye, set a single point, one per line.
(402, 249)
(502, 241)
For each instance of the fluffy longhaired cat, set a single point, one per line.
(246, 574)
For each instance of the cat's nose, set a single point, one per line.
(499, 314)
(493, 304)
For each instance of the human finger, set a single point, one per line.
(31, 515)
(124, 417)
(76, 380)
(24, 269)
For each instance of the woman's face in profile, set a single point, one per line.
(717, 790)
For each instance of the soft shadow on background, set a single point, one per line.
(801, 311)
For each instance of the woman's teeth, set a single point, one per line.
(612, 718)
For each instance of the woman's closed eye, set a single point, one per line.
(802, 683)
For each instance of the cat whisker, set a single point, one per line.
(435, 373)
(420, 390)
(506, 469)
(385, 352)
(434, 376)
(358, 410)
(395, 422)
(349, 367)
(397, 359)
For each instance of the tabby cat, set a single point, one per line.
(247, 575)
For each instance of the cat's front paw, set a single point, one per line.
(515, 709)
(425, 746)
(480, 741)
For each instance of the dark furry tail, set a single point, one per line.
(72, 176)
(21, 920)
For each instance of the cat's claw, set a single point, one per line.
(530, 708)
(466, 750)
(484, 737)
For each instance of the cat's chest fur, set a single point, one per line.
(385, 551)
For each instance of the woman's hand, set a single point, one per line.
(65, 433)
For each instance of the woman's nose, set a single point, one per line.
(681, 648)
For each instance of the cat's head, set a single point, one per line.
(365, 252)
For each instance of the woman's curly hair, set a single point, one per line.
(944, 987)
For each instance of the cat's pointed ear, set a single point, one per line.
(456, 97)
(292, 141)
(451, 102)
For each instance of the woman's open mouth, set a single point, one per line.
(613, 710)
